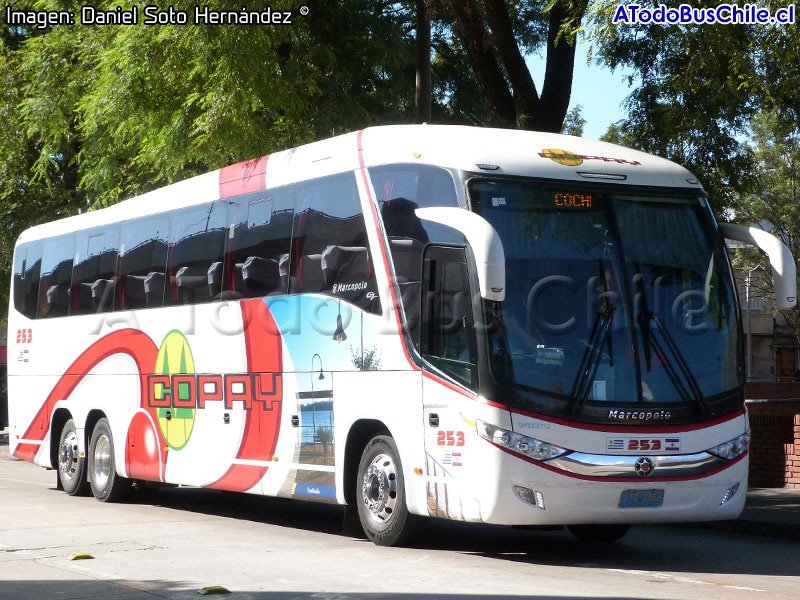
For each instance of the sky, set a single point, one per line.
(599, 91)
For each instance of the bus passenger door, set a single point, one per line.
(314, 474)
(447, 346)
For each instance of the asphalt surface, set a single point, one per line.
(175, 542)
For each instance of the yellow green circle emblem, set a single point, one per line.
(175, 357)
(562, 157)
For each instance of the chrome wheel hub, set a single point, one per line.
(379, 488)
(68, 455)
(102, 462)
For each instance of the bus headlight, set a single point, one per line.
(520, 444)
(733, 448)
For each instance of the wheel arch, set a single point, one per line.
(91, 420)
(361, 432)
(59, 419)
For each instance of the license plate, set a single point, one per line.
(641, 498)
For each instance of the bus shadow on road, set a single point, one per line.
(654, 548)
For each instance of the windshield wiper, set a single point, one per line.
(591, 357)
(693, 392)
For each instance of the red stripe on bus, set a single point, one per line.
(263, 349)
(383, 250)
(651, 480)
(633, 428)
(243, 178)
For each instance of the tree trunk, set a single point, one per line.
(510, 91)
(423, 56)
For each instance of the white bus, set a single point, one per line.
(482, 325)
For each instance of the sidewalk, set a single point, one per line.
(771, 512)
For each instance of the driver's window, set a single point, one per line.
(447, 327)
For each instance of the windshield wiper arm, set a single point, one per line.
(591, 357)
(694, 391)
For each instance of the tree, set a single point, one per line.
(93, 114)
(773, 201)
(574, 122)
(697, 87)
(490, 34)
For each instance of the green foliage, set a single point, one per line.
(574, 122)
(696, 89)
(369, 360)
(773, 200)
(93, 114)
(324, 435)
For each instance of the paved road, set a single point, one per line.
(174, 543)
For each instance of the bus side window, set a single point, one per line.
(56, 275)
(93, 276)
(447, 325)
(27, 265)
(141, 264)
(197, 241)
(330, 250)
(257, 259)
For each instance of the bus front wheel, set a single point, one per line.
(71, 465)
(380, 494)
(603, 534)
(106, 485)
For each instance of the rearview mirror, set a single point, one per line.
(784, 273)
(485, 243)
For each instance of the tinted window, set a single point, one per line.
(257, 261)
(197, 241)
(142, 262)
(421, 184)
(54, 283)
(27, 265)
(93, 277)
(330, 252)
(447, 323)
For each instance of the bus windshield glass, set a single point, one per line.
(611, 297)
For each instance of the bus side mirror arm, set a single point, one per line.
(484, 242)
(784, 273)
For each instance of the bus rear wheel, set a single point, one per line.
(603, 534)
(71, 465)
(380, 495)
(106, 485)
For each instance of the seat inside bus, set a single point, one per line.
(260, 275)
(344, 263)
(102, 294)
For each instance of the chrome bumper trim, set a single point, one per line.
(606, 465)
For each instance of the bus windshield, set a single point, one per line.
(611, 297)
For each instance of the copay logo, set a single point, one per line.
(570, 159)
(177, 420)
(176, 391)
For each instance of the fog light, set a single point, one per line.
(729, 493)
(529, 496)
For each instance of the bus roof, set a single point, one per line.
(491, 151)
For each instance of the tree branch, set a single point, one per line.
(478, 46)
(557, 86)
(526, 98)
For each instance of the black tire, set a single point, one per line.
(107, 485)
(380, 495)
(71, 465)
(602, 534)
